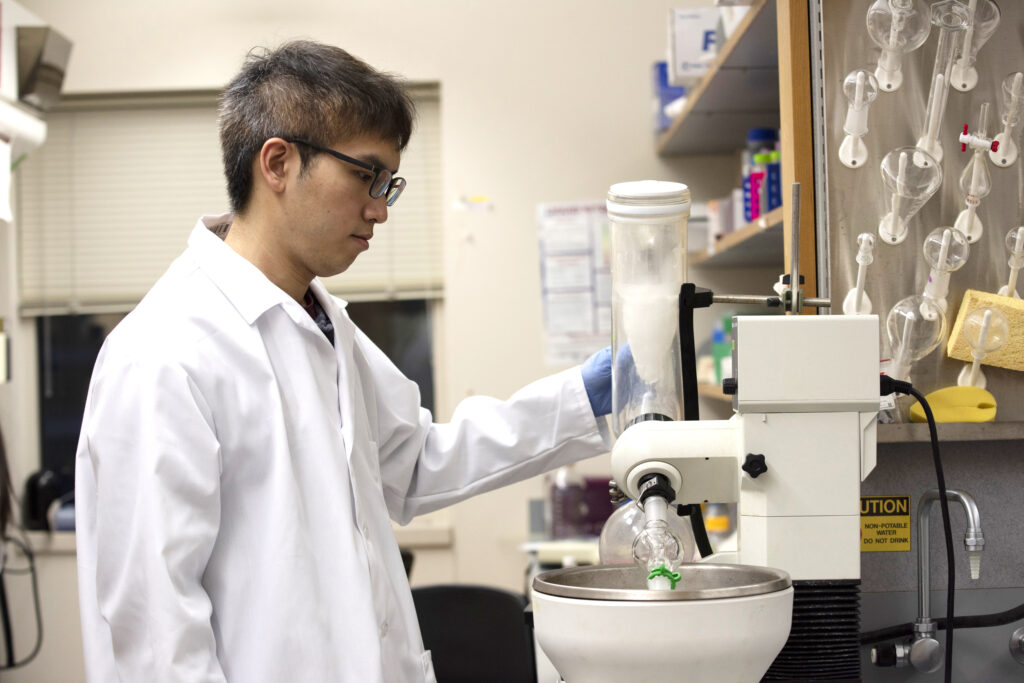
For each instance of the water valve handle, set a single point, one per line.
(884, 654)
(1017, 645)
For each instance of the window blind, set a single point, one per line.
(109, 200)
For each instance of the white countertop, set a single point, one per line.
(63, 542)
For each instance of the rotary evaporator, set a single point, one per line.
(805, 391)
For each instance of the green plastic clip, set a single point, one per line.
(672, 576)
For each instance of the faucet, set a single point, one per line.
(925, 652)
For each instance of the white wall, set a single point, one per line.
(542, 100)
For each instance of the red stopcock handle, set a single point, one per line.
(976, 142)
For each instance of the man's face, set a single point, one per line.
(332, 215)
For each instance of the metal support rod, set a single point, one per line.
(769, 301)
(754, 299)
(794, 252)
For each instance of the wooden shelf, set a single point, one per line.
(951, 431)
(713, 391)
(758, 243)
(740, 91)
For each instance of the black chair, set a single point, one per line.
(407, 561)
(476, 634)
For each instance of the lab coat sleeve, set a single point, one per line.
(148, 444)
(488, 443)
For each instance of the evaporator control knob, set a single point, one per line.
(754, 465)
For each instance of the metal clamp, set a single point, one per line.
(615, 493)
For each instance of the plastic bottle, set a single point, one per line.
(720, 348)
(761, 140)
(774, 179)
(720, 524)
(759, 185)
(747, 199)
(566, 503)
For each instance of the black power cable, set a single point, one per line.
(888, 386)
(700, 532)
(5, 624)
(971, 621)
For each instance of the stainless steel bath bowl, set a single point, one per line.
(629, 583)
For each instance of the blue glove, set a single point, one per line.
(597, 378)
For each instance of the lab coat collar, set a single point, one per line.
(245, 285)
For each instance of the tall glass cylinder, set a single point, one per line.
(648, 224)
(951, 18)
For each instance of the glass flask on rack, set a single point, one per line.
(897, 27)
(910, 178)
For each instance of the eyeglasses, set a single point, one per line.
(384, 183)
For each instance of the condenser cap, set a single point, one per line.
(648, 199)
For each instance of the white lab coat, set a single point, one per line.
(236, 475)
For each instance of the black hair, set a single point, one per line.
(306, 90)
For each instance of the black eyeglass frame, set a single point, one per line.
(394, 186)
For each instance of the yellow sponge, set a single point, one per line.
(957, 404)
(1011, 355)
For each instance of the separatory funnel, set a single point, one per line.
(898, 27)
(985, 331)
(975, 181)
(916, 326)
(1015, 243)
(857, 301)
(910, 177)
(984, 18)
(1013, 106)
(945, 250)
(951, 18)
(861, 89)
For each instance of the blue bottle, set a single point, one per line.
(774, 180)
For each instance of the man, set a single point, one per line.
(244, 446)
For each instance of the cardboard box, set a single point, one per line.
(664, 94)
(692, 43)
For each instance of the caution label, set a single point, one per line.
(884, 523)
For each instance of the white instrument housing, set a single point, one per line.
(807, 399)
